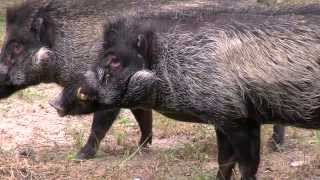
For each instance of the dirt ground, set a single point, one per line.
(35, 143)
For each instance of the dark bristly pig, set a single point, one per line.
(236, 75)
(53, 41)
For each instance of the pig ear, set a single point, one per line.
(11, 15)
(44, 30)
(141, 42)
(144, 45)
(37, 27)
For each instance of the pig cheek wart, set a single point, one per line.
(42, 54)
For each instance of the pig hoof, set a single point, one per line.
(274, 146)
(145, 141)
(86, 153)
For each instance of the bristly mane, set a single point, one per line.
(210, 11)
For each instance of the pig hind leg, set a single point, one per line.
(226, 156)
(245, 139)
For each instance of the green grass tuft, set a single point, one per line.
(318, 136)
(2, 29)
(30, 95)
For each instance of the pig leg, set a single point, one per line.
(278, 134)
(144, 119)
(226, 156)
(245, 139)
(277, 137)
(102, 121)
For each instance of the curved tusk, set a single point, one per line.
(81, 95)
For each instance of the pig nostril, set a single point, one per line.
(58, 107)
(61, 113)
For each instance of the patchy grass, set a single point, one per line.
(318, 136)
(30, 95)
(185, 160)
(77, 137)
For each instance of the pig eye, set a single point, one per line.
(113, 62)
(16, 48)
(115, 65)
